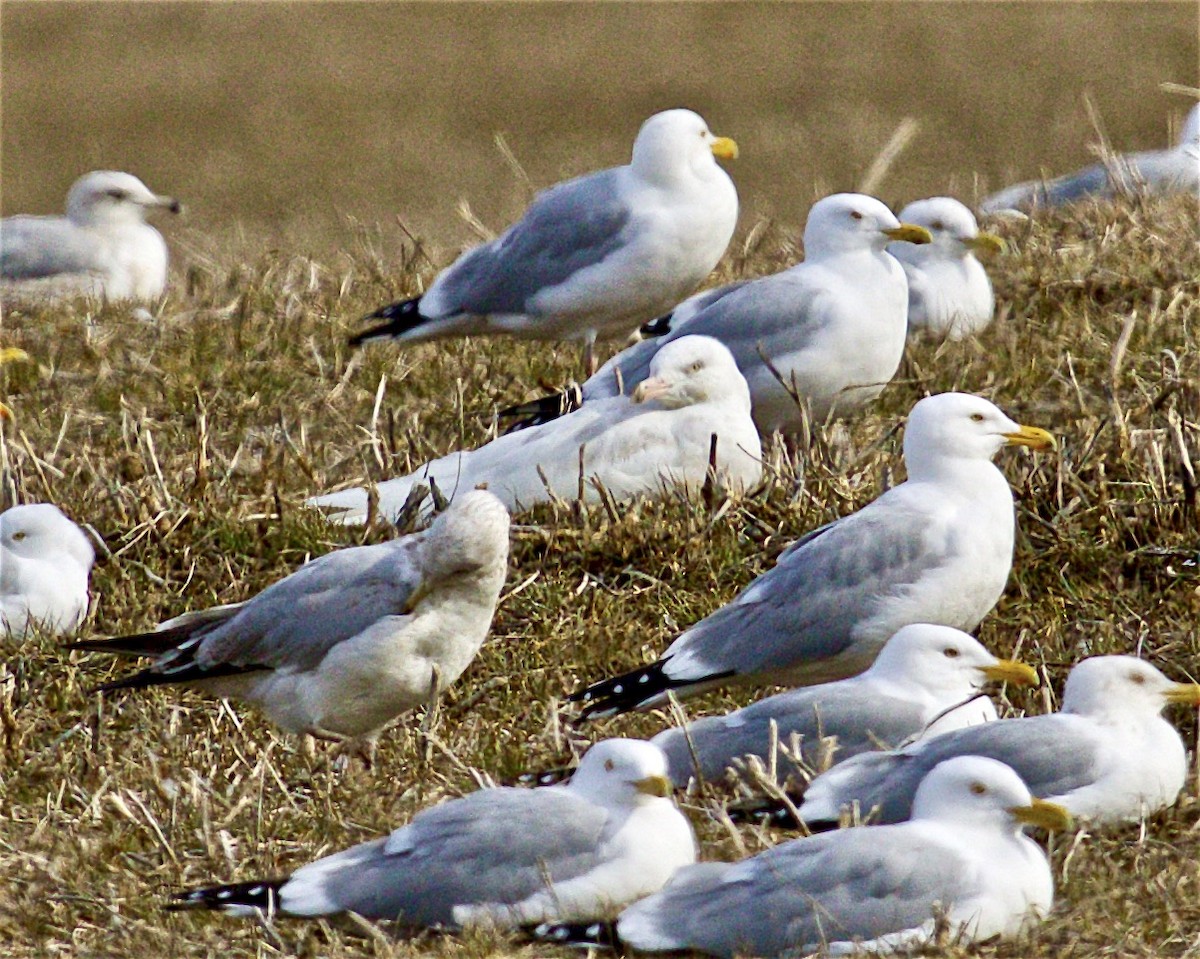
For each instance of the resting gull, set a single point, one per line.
(592, 257)
(102, 248)
(349, 641)
(45, 562)
(927, 679)
(961, 868)
(658, 439)
(505, 856)
(935, 549)
(828, 332)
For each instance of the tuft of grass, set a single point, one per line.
(189, 443)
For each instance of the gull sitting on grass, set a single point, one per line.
(962, 868)
(949, 293)
(935, 549)
(927, 679)
(502, 857)
(593, 257)
(102, 248)
(826, 334)
(660, 438)
(45, 563)
(351, 640)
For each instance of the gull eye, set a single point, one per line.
(977, 417)
(609, 766)
(855, 215)
(19, 535)
(978, 788)
(1137, 678)
(696, 367)
(117, 194)
(950, 652)
(937, 225)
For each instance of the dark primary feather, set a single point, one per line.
(631, 690)
(260, 894)
(543, 409)
(597, 934)
(399, 318)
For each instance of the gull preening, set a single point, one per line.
(927, 679)
(949, 293)
(350, 641)
(962, 867)
(45, 563)
(593, 257)
(103, 248)
(503, 857)
(826, 334)
(935, 549)
(657, 440)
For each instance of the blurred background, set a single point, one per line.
(288, 123)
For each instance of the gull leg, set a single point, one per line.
(589, 354)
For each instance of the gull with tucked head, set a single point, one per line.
(505, 857)
(593, 257)
(45, 563)
(645, 445)
(935, 549)
(102, 248)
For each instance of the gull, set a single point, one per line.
(657, 440)
(949, 292)
(927, 679)
(45, 562)
(593, 257)
(502, 857)
(1176, 170)
(349, 641)
(961, 868)
(826, 334)
(102, 248)
(935, 549)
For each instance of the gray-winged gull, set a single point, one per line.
(45, 562)
(102, 248)
(657, 440)
(349, 641)
(592, 257)
(962, 868)
(935, 549)
(927, 679)
(505, 856)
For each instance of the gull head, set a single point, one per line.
(983, 792)
(469, 537)
(850, 222)
(943, 658)
(1123, 686)
(955, 426)
(41, 531)
(108, 196)
(953, 228)
(677, 143)
(623, 772)
(690, 370)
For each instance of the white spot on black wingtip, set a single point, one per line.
(618, 689)
(254, 891)
(593, 930)
(644, 678)
(588, 697)
(225, 894)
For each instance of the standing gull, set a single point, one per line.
(592, 257)
(45, 562)
(505, 856)
(828, 332)
(962, 867)
(351, 640)
(102, 248)
(949, 292)
(658, 439)
(925, 675)
(1176, 170)
(935, 549)
(1108, 756)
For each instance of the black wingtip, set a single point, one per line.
(400, 317)
(544, 408)
(637, 689)
(776, 813)
(261, 894)
(596, 934)
(659, 326)
(545, 777)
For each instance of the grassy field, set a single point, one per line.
(190, 442)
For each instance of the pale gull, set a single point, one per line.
(657, 440)
(826, 334)
(593, 257)
(1108, 756)
(102, 248)
(349, 641)
(962, 869)
(949, 293)
(503, 857)
(1175, 170)
(935, 549)
(45, 562)
(925, 676)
